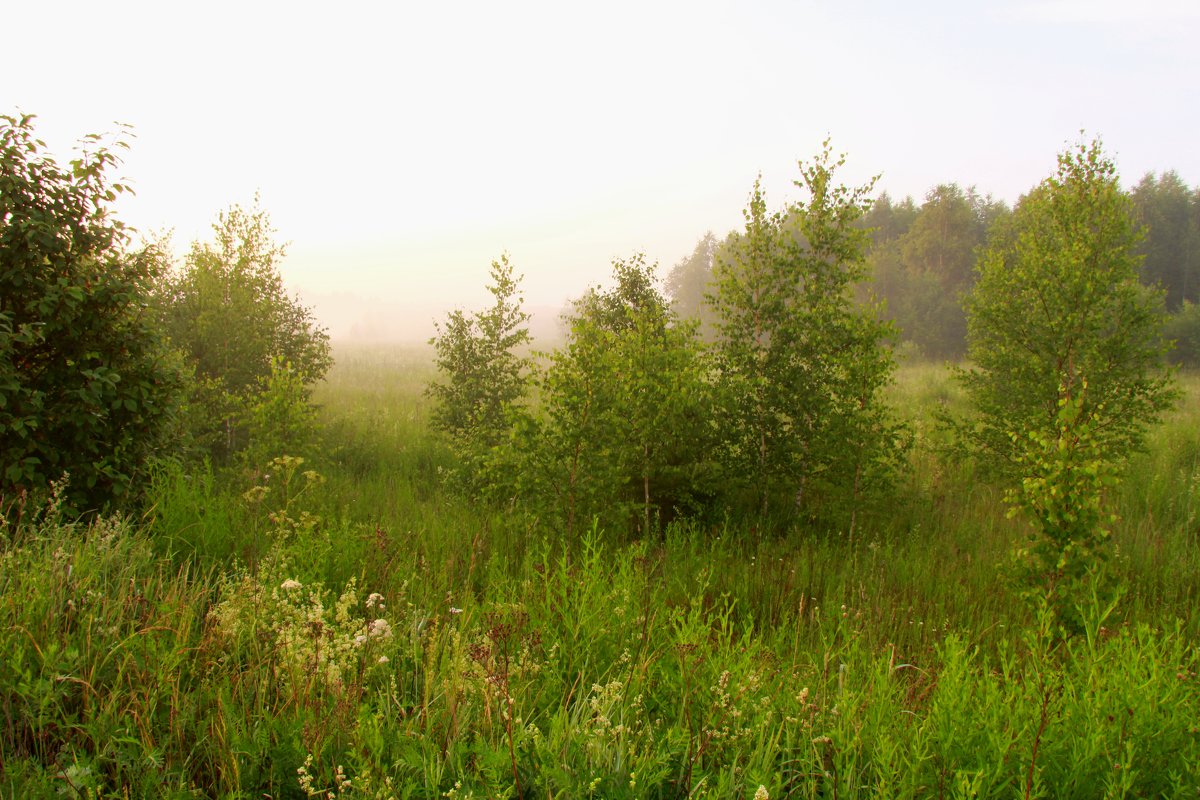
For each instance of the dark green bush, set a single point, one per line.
(88, 385)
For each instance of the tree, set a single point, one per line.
(624, 408)
(1068, 353)
(1058, 303)
(88, 385)
(922, 262)
(1171, 247)
(227, 310)
(689, 281)
(482, 367)
(888, 220)
(1183, 330)
(800, 365)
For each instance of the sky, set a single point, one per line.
(400, 147)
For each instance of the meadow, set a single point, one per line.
(344, 622)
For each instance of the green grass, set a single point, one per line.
(210, 651)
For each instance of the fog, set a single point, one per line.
(400, 149)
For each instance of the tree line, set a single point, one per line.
(921, 262)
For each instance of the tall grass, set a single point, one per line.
(368, 632)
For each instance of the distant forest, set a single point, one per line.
(922, 263)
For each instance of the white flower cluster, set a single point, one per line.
(307, 639)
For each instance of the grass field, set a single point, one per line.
(357, 628)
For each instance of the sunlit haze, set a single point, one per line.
(401, 147)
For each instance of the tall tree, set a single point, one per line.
(689, 281)
(801, 367)
(1068, 352)
(938, 258)
(888, 220)
(1171, 249)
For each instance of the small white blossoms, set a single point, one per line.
(375, 599)
(454, 610)
(383, 660)
(761, 794)
(379, 629)
(290, 584)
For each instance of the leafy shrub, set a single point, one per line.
(227, 311)
(622, 429)
(88, 386)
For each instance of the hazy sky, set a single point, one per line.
(400, 146)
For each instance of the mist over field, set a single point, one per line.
(367, 319)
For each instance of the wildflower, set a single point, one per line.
(303, 776)
(375, 599)
(255, 495)
(454, 610)
(761, 794)
(383, 660)
(379, 629)
(290, 584)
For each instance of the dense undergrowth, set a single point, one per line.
(350, 626)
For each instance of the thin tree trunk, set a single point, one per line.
(646, 490)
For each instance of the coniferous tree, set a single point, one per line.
(1170, 213)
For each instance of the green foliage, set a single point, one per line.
(1068, 350)
(1170, 211)
(597, 671)
(88, 386)
(1058, 303)
(689, 282)
(99, 639)
(1183, 329)
(887, 220)
(227, 310)
(800, 366)
(193, 660)
(624, 418)
(481, 365)
(280, 418)
(923, 269)
(1067, 475)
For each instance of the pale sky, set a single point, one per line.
(399, 147)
